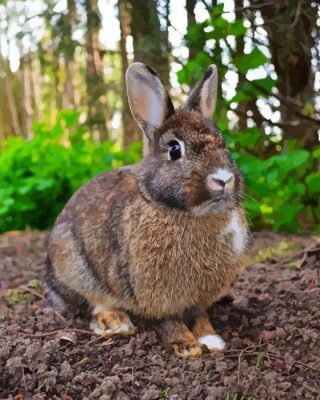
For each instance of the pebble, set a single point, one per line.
(196, 365)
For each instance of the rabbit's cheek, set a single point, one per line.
(196, 190)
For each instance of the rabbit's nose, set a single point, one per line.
(222, 177)
(219, 182)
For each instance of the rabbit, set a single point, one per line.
(161, 239)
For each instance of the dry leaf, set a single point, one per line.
(68, 337)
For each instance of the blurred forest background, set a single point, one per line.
(64, 115)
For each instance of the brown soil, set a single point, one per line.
(271, 323)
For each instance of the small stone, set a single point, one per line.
(109, 384)
(121, 396)
(157, 360)
(174, 397)
(96, 393)
(151, 394)
(196, 365)
(66, 370)
(105, 397)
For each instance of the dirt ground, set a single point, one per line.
(271, 322)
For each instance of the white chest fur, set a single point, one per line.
(237, 228)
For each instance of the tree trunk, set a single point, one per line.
(149, 41)
(96, 87)
(26, 96)
(36, 85)
(130, 129)
(191, 20)
(243, 106)
(11, 100)
(290, 46)
(70, 99)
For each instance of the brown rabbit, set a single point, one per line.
(160, 239)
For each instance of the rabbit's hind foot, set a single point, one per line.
(174, 333)
(185, 350)
(110, 322)
(205, 334)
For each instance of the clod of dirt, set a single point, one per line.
(110, 384)
(196, 365)
(151, 394)
(66, 371)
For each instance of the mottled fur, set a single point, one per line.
(149, 239)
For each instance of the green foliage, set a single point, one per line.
(251, 60)
(282, 189)
(38, 176)
(282, 193)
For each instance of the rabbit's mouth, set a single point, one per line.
(221, 197)
(216, 204)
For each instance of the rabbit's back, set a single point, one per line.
(86, 247)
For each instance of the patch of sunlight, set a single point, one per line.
(283, 249)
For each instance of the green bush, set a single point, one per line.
(39, 175)
(282, 190)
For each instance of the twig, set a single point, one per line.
(296, 17)
(107, 342)
(239, 359)
(99, 337)
(58, 315)
(289, 103)
(52, 333)
(243, 9)
(112, 333)
(254, 346)
(255, 6)
(306, 252)
(303, 252)
(295, 361)
(24, 382)
(28, 290)
(284, 124)
(207, 7)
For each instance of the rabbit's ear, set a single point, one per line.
(203, 97)
(149, 101)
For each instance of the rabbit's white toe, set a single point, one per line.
(213, 342)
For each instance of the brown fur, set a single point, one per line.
(174, 333)
(167, 274)
(138, 239)
(202, 326)
(164, 273)
(112, 320)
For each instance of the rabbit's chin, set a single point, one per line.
(217, 205)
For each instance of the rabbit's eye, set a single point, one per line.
(174, 150)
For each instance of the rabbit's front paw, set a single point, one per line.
(111, 322)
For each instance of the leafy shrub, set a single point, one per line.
(282, 190)
(39, 175)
